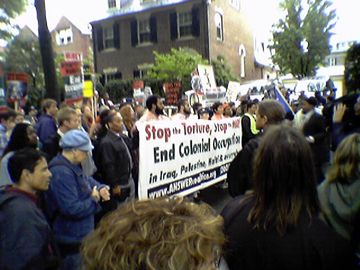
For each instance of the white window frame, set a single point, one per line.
(112, 4)
(63, 36)
(108, 37)
(181, 24)
(242, 53)
(235, 4)
(219, 25)
(144, 31)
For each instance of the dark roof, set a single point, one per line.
(134, 6)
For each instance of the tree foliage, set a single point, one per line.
(23, 55)
(9, 9)
(176, 66)
(222, 72)
(352, 68)
(301, 39)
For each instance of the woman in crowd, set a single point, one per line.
(156, 234)
(339, 194)
(22, 136)
(277, 225)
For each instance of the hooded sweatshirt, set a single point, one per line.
(340, 205)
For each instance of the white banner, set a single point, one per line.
(180, 157)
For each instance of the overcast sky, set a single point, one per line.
(263, 13)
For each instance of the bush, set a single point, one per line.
(352, 69)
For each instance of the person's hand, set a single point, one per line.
(116, 191)
(95, 194)
(339, 111)
(104, 194)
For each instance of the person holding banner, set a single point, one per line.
(239, 176)
(277, 226)
(218, 110)
(155, 110)
(184, 110)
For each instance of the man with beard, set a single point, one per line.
(155, 110)
(183, 110)
(314, 129)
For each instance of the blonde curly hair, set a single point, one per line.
(165, 233)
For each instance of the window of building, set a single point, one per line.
(235, 4)
(108, 37)
(184, 24)
(219, 26)
(64, 36)
(332, 61)
(112, 3)
(144, 31)
(242, 53)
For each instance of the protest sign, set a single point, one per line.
(72, 73)
(172, 93)
(181, 157)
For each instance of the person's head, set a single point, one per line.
(76, 145)
(357, 107)
(284, 180)
(128, 115)
(32, 111)
(22, 136)
(7, 118)
(155, 105)
(218, 108)
(346, 162)
(269, 112)
(165, 233)
(19, 118)
(309, 104)
(203, 114)
(49, 107)
(139, 110)
(86, 111)
(68, 119)
(228, 112)
(251, 107)
(184, 107)
(114, 122)
(29, 171)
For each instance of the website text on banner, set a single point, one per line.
(180, 157)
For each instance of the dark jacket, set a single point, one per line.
(70, 207)
(25, 237)
(316, 128)
(51, 147)
(115, 162)
(45, 127)
(239, 175)
(309, 245)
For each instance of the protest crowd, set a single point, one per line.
(71, 179)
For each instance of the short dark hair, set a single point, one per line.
(150, 101)
(216, 105)
(7, 114)
(24, 159)
(273, 110)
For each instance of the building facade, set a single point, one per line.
(124, 42)
(66, 37)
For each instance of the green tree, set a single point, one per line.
(47, 55)
(9, 9)
(352, 68)
(301, 39)
(176, 66)
(23, 55)
(222, 72)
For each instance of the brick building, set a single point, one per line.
(66, 37)
(124, 42)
